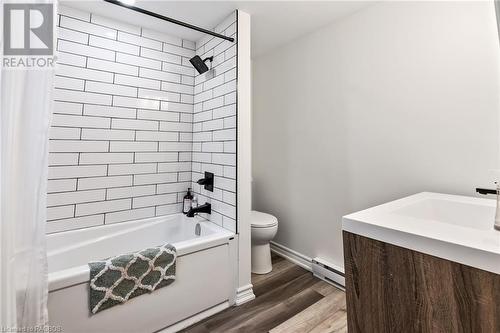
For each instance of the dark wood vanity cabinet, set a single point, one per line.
(393, 289)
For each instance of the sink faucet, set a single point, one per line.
(496, 191)
(205, 208)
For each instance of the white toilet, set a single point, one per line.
(264, 228)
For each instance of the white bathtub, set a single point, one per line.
(205, 276)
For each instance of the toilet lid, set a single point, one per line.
(262, 220)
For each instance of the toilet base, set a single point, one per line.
(261, 259)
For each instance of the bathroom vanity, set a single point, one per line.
(426, 263)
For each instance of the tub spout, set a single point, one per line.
(205, 208)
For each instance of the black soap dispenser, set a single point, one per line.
(188, 198)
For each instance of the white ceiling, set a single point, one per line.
(274, 23)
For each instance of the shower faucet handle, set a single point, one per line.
(208, 181)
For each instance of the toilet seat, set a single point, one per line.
(262, 220)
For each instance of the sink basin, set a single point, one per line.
(451, 227)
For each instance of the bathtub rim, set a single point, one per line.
(66, 278)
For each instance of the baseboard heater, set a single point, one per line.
(328, 272)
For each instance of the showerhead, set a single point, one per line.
(199, 64)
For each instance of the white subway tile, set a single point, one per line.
(131, 191)
(67, 146)
(68, 108)
(68, 83)
(188, 80)
(174, 127)
(159, 95)
(102, 207)
(80, 121)
(156, 136)
(74, 223)
(188, 44)
(157, 115)
(113, 24)
(168, 209)
(156, 157)
(213, 125)
(107, 134)
(69, 59)
(178, 107)
(137, 81)
(138, 61)
(60, 212)
(113, 45)
(175, 146)
(63, 159)
(84, 73)
(106, 158)
(128, 215)
(81, 97)
(202, 116)
(213, 103)
(212, 147)
(131, 169)
(141, 41)
(174, 49)
(202, 157)
(58, 172)
(134, 124)
(103, 182)
(224, 111)
(186, 137)
(66, 198)
(138, 103)
(230, 147)
(225, 159)
(174, 167)
(61, 185)
(225, 135)
(185, 156)
(64, 133)
(162, 56)
(93, 29)
(177, 69)
(72, 35)
(177, 87)
(110, 66)
(154, 200)
(133, 146)
(173, 188)
(85, 50)
(155, 178)
(229, 224)
(159, 75)
(224, 89)
(112, 89)
(225, 184)
(230, 98)
(108, 111)
(230, 172)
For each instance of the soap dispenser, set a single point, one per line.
(188, 198)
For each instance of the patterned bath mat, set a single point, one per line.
(120, 278)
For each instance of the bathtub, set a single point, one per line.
(205, 276)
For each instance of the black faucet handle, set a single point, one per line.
(207, 182)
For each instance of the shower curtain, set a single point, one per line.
(25, 109)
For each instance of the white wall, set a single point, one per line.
(398, 98)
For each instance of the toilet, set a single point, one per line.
(264, 227)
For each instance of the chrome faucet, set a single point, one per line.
(205, 208)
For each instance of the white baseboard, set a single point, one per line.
(194, 319)
(293, 256)
(244, 294)
(327, 275)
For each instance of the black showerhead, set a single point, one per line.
(199, 64)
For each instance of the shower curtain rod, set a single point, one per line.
(169, 19)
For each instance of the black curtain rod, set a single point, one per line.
(171, 20)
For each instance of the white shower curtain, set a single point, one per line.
(25, 110)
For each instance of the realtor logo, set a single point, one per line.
(28, 29)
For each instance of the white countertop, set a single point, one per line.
(452, 227)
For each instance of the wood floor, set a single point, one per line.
(288, 300)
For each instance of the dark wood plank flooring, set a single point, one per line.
(289, 299)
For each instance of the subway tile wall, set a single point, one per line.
(214, 125)
(121, 137)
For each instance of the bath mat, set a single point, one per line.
(117, 279)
